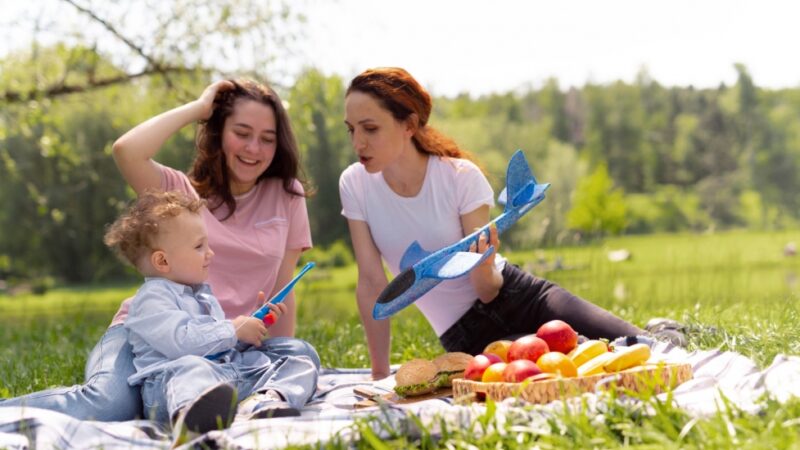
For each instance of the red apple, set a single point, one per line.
(520, 369)
(527, 347)
(478, 364)
(560, 337)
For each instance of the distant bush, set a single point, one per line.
(669, 209)
(335, 255)
(41, 285)
(598, 207)
(20, 285)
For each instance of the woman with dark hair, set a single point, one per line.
(247, 169)
(412, 183)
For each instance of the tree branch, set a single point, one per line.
(65, 89)
(138, 49)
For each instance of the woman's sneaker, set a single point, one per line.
(667, 330)
(265, 405)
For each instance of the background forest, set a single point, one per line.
(623, 158)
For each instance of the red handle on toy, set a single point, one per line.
(269, 319)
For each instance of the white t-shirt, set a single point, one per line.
(452, 187)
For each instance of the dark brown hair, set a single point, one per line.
(400, 94)
(209, 174)
(134, 232)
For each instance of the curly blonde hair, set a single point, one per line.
(133, 234)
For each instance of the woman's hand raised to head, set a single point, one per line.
(206, 99)
(134, 151)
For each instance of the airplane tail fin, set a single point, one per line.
(412, 255)
(521, 186)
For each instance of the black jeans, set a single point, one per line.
(523, 304)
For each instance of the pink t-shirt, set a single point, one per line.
(248, 246)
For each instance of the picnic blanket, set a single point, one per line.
(331, 413)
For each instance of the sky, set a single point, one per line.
(486, 46)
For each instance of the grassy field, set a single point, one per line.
(736, 290)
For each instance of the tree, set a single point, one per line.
(547, 223)
(316, 109)
(59, 187)
(598, 208)
(615, 133)
(718, 175)
(113, 43)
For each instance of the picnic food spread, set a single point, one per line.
(552, 350)
(540, 367)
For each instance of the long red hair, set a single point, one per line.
(400, 94)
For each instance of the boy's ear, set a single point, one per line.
(159, 261)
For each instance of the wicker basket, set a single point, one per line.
(655, 378)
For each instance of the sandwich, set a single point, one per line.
(451, 366)
(416, 377)
(421, 376)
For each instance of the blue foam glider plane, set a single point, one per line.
(423, 270)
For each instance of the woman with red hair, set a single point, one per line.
(412, 183)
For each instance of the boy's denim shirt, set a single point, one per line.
(168, 320)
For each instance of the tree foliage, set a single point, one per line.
(598, 207)
(111, 43)
(316, 110)
(623, 157)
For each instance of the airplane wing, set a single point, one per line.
(456, 264)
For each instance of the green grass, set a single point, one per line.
(736, 290)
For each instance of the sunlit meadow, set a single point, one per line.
(734, 290)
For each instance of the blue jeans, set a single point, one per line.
(286, 346)
(106, 395)
(184, 379)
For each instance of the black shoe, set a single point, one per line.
(211, 410)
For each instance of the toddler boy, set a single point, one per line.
(175, 321)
